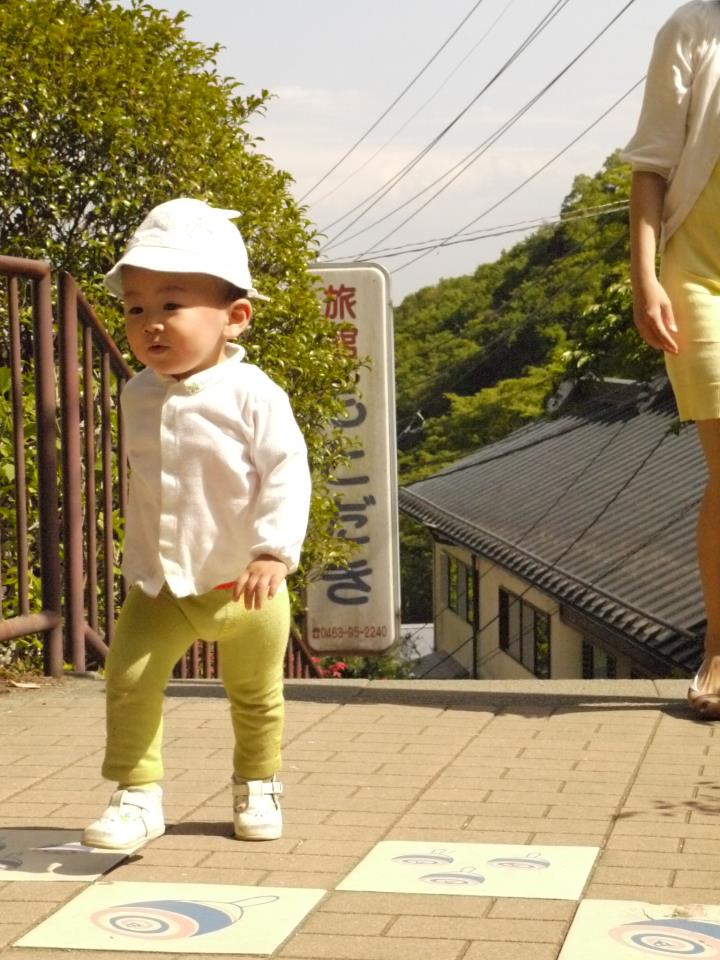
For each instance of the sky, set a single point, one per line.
(334, 67)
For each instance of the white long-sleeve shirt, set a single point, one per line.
(219, 475)
(678, 134)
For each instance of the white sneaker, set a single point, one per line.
(133, 817)
(256, 809)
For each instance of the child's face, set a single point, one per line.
(178, 323)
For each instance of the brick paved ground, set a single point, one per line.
(615, 764)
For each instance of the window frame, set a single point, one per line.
(531, 646)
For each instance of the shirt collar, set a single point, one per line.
(235, 355)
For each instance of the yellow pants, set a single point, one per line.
(152, 634)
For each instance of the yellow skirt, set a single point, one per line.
(690, 274)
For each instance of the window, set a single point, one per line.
(525, 633)
(470, 595)
(460, 588)
(452, 582)
(596, 664)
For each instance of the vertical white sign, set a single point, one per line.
(357, 609)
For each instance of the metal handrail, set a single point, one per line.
(71, 617)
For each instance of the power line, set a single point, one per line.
(470, 158)
(393, 104)
(420, 109)
(488, 234)
(390, 184)
(524, 183)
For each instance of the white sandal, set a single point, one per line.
(256, 809)
(133, 817)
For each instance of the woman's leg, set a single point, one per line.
(152, 634)
(708, 551)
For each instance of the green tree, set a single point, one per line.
(105, 112)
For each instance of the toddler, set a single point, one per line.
(218, 507)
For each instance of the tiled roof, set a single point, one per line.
(596, 507)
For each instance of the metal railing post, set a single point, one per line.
(72, 471)
(46, 407)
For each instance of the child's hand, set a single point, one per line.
(262, 578)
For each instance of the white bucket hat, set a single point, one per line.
(187, 236)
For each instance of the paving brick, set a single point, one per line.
(531, 825)
(653, 843)
(328, 778)
(366, 804)
(154, 855)
(330, 831)
(365, 924)
(426, 820)
(700, 878)
(572, 811)
(659, 859)
(511, 951)
(358, 818)
(450, 784)
(308, 945)
(696, 846)
(469, 807)
(526, 931)
(266, 860)
(381, 793)
(682, 790)
(32, 811)
(649, 828)
(458, 835)
(299, 878)
(633, 876)
(586, 839)
(665, 895)
(511, 908)
(153, 873)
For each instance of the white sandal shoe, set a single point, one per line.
(133, 817)
(256, 809)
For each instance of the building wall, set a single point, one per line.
(478, 651)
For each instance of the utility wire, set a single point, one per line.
(390, 184)
(470, 158)
(521, 227)
(420, 109)
(520, 186)
(393, 104)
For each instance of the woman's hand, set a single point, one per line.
(653, 315)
